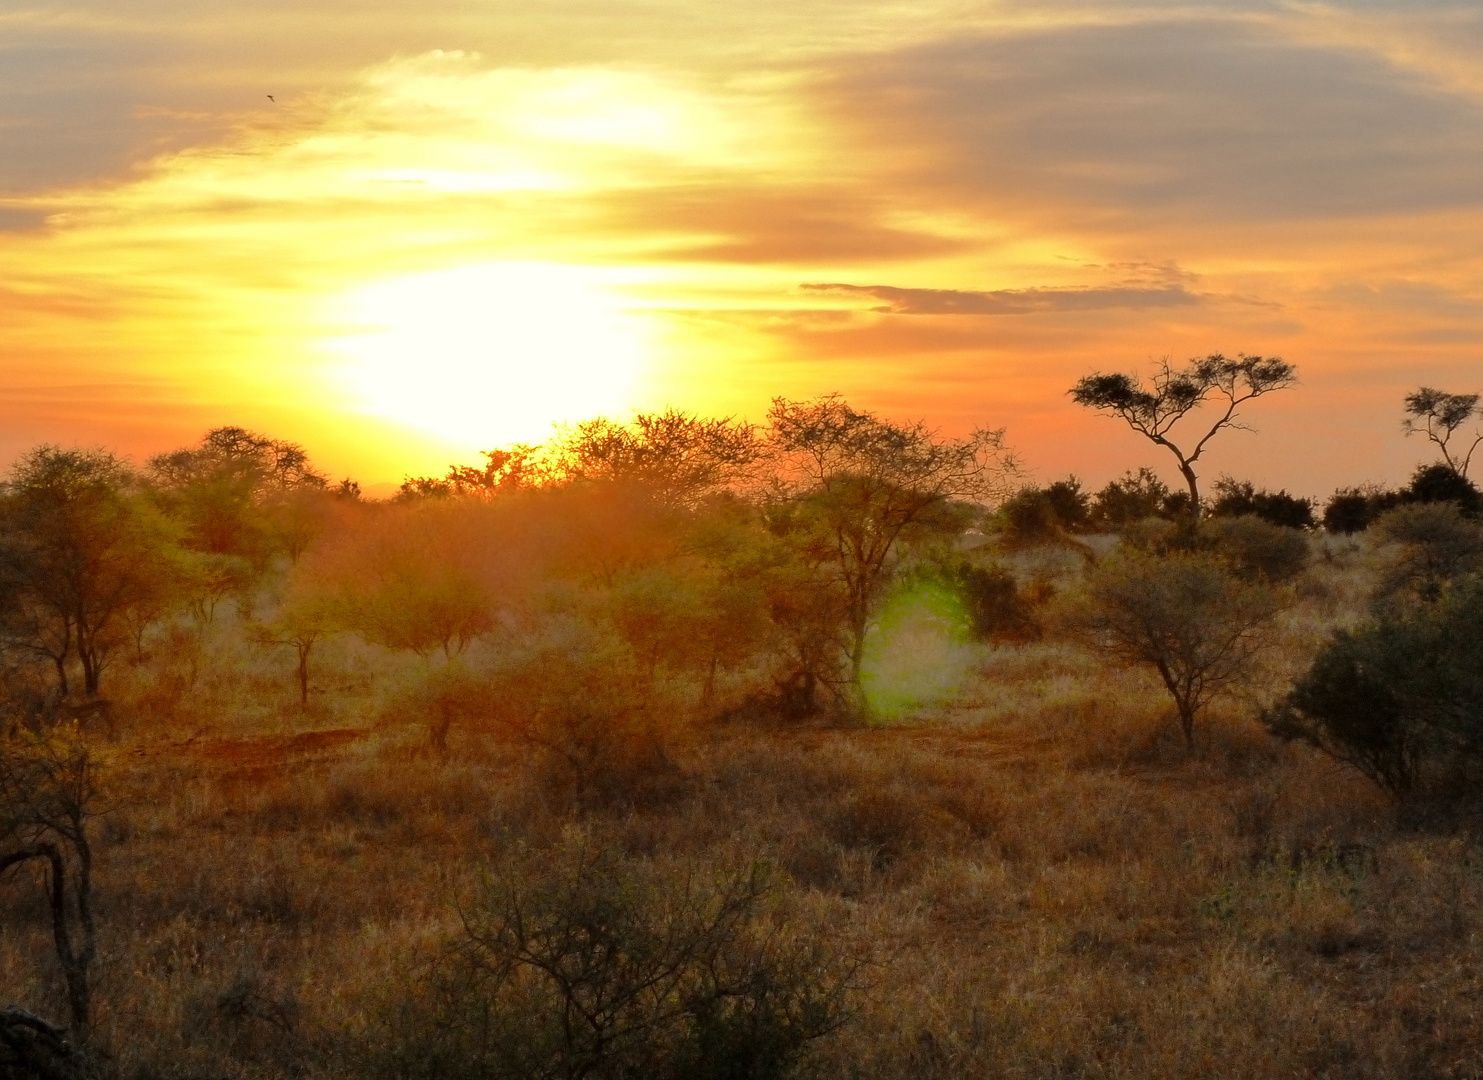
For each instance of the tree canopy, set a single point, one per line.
(1174, 393)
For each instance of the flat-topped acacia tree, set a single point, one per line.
(1437, 415)
(1174, 393)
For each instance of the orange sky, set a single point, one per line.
(460, 221)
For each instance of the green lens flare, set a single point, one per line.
(917, 654)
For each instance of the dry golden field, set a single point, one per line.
(1030, 877)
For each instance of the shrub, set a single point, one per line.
(1250, 548)
(579, 962)
(1351, 510)
(1133, 497)
(1435, 543)
(1400, 699)
(992, 600)
(601, 725)
(1239, 498)
(1045, 515)
(1440, 483)
(1185, 615)
(1255, 548)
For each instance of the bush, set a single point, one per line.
(1441, 484)
(992, 600)
(1134, 497)
(601, 726)
(1255, 548)
(1240, 499)
(1184, 615)
(1045, 515)
(1436, 543)
(1251, 548)
(1352, 510)
(580, 962)
(1400, 699)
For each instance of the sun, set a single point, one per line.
(490, 354)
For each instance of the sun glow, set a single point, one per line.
(490, 354)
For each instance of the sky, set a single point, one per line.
(398, 234)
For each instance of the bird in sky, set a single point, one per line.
(272, 99)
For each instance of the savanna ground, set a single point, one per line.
(1028, 876)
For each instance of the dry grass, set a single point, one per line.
(1046, 884)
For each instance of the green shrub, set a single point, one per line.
(1352, 510)
(1400, 699)
(1131, 498)
(1434, 542)
(1438, 483)
(993, 603)
(1045, 515)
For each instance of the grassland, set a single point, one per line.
(1030, 878)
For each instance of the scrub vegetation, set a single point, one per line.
(687, 748)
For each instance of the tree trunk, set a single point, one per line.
(75, 963)
(304, 672)
(61, 663)
(1193, 482)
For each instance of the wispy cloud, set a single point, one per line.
(899, 301)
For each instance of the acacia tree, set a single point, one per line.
(1438, 414)
(676, 456)
(852, 487)
(1186, 616)
(78, 551)
(301, 624)
(1174, 393)
(220, 490)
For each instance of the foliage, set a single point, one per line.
(1435, 543)
(409, 580)
(1438, 414)
(579, 962)
(1240, 498)
(1133, 497)
(1047, 515)
(225, 493)
(1174, 393)
(307, 616)
(1354, 509)
(80, 554)
(1185, 615)
(514, 468)
(679, 458)
(860, 487)
(602, 726)
(1255, 548)
(1400, 698)
(1442, 484)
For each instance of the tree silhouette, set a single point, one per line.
(1176, 392)
(1438, 414)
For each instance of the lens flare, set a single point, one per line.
(918, 653)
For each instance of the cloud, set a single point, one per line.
(1175, 120)
(1010, 301)
(752, 220)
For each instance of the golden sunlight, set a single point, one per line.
(492, 353)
